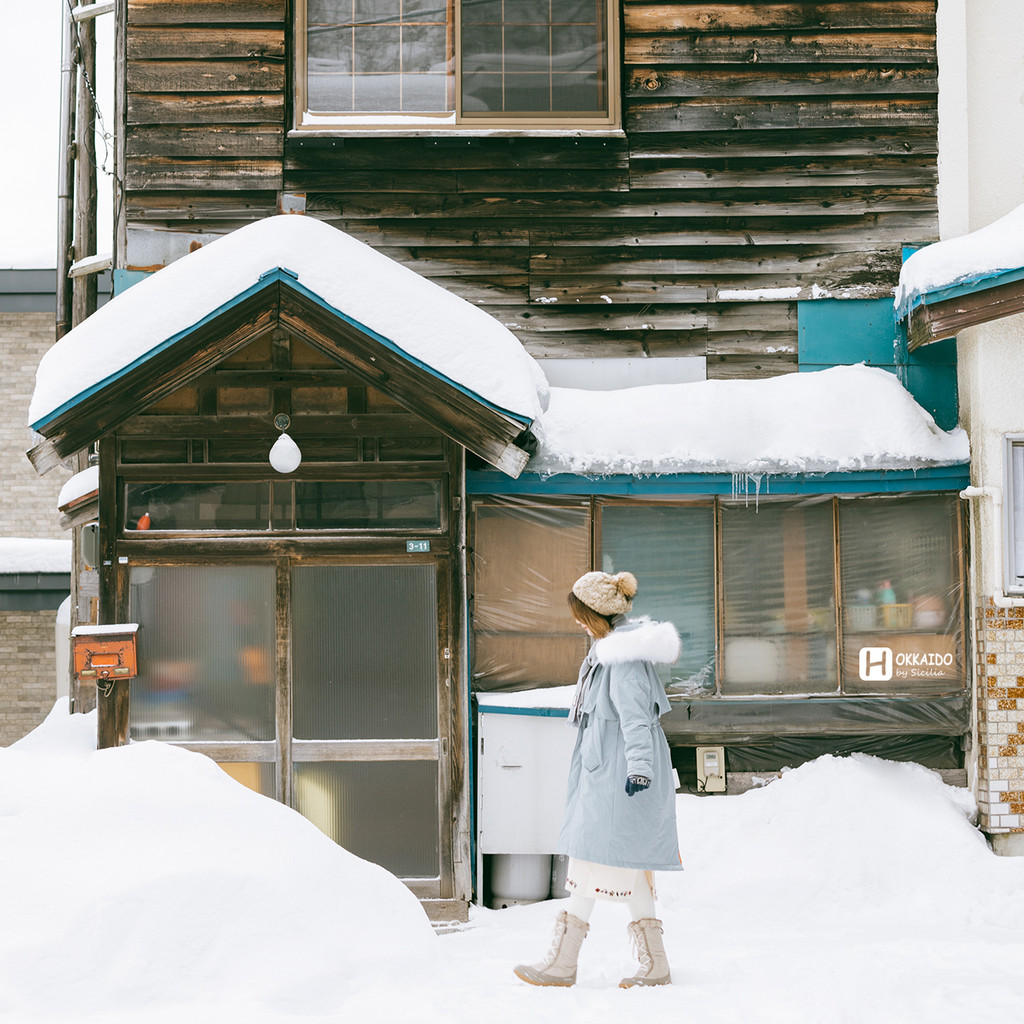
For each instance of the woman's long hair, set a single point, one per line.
(598, 624)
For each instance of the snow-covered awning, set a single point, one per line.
(961, 282)
(34, 555)
(146, 341)
(843, 419)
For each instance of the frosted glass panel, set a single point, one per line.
(364, 642)
(671, 551)
(382, 811)
(778, 567)
(259, 776)
(206, 652)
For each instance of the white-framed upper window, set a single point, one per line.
(530, 64)
(1014, 513)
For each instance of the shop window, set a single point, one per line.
(671, 551)
(822, 595)
(778, 599)
(456, 62)
(1014, 515)
(901, 592)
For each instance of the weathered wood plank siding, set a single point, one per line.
(206, 83)
(766, 146)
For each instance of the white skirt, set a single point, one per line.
(604, 882)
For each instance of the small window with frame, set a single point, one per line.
(1014, 514)
(450, 64)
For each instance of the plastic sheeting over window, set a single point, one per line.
(526, 558)
(822, 596)
(671, 551)
(902, 591)
(778, 580)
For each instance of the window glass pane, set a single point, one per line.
(364, 652)
(1017, 495)
(671, 551)
(902, 591)
(206, 652)
(196, 506)
(377, 56)
(777, 578)
(534, 57)
(259, 776)
(367, 504)
(385, 812)
(525, 560)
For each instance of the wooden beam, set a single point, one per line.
(163, 373)
(488, 432)
(940, 320)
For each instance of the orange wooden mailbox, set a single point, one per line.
(104, 654)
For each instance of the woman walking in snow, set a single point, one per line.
(620, 822)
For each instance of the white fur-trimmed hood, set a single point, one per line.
(640, 639)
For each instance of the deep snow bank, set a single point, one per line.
(144, 875)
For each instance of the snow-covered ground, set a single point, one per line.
(142, 884)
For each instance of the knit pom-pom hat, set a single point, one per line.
(606, 594)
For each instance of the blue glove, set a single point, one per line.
(635, 783)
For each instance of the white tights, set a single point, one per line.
(641, 904)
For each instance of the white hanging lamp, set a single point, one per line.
(285, 456)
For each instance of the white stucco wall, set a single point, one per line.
(981, 178)
(981, 112)
(981, 117)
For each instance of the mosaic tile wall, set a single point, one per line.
(1000, 659)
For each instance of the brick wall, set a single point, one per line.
(28, 687)
(1000, 649)
(28, 502)
(28, 508)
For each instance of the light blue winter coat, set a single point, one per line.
(620, 734)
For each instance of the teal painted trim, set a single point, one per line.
(288, 277)
(146, 356)
(532, 712)
(935, 478)
(964, 286)
(122, 280)
(266, 279)
(840, 332)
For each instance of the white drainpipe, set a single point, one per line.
(1000, 598)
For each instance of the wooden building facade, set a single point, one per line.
(766, 153)
(741, 194)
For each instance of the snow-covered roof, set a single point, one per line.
(841, 419)
(81, 485)
(32, 554)
(987, 252)
(452, 337)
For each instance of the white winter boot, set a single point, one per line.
(559, 966)
(650, 951)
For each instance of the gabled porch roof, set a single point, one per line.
(435, 353)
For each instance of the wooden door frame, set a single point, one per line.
(453, 881)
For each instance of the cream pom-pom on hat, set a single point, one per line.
(606, 594)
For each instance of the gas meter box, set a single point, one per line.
(105, 652)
